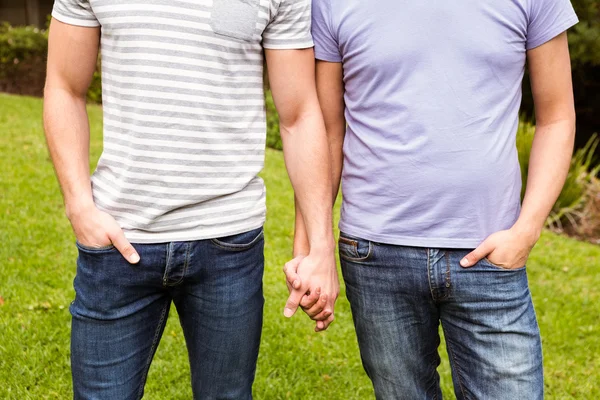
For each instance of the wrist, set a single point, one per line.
(75, 209)
(528, 230)
(301, 248)
(322, 247)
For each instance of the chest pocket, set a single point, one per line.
(235, 18)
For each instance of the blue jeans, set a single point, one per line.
(400, 294)
(120, 311)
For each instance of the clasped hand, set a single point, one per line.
(314, 286)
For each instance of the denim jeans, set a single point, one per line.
(120, 310)
(400, 294)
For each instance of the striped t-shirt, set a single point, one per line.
(184, 113)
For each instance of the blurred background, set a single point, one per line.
(37, 255)
(23, 48)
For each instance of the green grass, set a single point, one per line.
(37, 264)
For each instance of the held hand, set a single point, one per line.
(508, 249)
(95, 228)
(312, 303)
(314, 286)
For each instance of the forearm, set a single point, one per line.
(336, 141)
(330, 91)
(549, 163)
(67, 134)
(308, 162)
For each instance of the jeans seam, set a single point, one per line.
(153, 349)
(185, 267)
(447, 282)
(168, 261)
(458, 369)
(429, 275)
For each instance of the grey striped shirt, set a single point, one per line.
(184, 114)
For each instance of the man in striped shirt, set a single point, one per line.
(175, 209)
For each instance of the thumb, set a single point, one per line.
(476, 255)
(293, 302)
(125, 248)
(291, 273)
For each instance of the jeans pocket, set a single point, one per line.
(90, 249)
(235, 19)
(354, 249)
(488, 263)
(240, 241)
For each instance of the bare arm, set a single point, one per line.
(551, 152)
(72, 55)
(330, 89)
(291, 75)
(552, 148)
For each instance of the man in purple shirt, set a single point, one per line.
(421, 104)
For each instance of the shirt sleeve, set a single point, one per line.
(75, 12)
(326, 45)
(548, 19)
(290, 27)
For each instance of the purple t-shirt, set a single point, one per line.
(433, 91)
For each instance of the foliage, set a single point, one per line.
(22, 59)
(94, 94)
(23, 53)
(273, 137)
(37, 265)
(574, 194)
(20, 43)
(585, 36)
(524, 140)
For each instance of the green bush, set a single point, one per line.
(585, 36)
(20, 43)
(574, 193)
(23, 53)
(94, 94)
(273, 137)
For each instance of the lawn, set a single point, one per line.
(37, 264)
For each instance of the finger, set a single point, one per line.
(319, 327)
(291, 273)
(323, 325)
(476, 255)
(323, 315)
(125, 248)
(318, 308)
(308, 301)
(293, 302)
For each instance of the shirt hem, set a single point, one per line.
(327, 57)
(74, 21)
(185, 236)
(412, 241)
(296, 46)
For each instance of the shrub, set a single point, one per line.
(575, 193)
(23, 53)
(273, 137)
(586, 222)
(94, 94)
(22, 59)
(573, 198)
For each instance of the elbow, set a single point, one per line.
(300, 121)
(58, 86)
